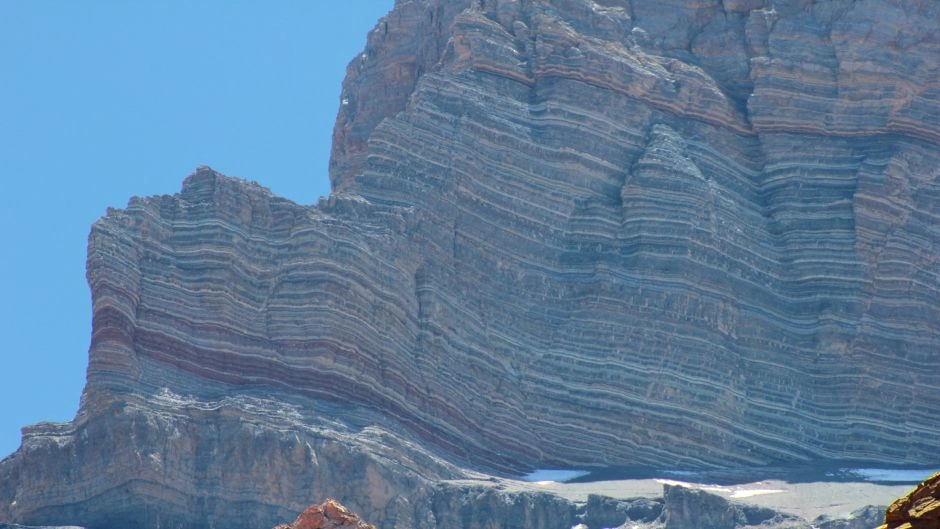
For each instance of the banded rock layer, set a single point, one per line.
(568, 233)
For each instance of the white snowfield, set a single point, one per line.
(544, 475)
(836, 498)
(893, 476)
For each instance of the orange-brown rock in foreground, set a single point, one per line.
(920, 509)
(328, 515)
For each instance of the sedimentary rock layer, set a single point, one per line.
(705, 233)
(570, 233)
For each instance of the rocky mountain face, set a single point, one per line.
(563, 234)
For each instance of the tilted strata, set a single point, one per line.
(565, 233)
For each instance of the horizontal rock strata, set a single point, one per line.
(563, 234)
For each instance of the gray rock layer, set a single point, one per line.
(576, 234)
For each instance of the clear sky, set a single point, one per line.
(103, 100)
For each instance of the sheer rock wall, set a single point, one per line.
(562, 234)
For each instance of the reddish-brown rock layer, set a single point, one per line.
(328, 515)
(918, 510)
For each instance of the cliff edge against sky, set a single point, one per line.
(563, 234)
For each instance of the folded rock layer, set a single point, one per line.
(563, 234)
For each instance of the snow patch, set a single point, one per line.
(675, 483)
(543, 475)
(892, 475)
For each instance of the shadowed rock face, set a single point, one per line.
(566, 234)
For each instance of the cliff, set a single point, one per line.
(563, 234)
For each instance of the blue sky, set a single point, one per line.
(104, 100)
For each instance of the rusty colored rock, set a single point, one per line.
(920, 509)
(328, 515)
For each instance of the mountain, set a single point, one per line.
(577, 234)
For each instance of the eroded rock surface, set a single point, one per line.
(864, 518)
(919, 509)
(685, 508)
(328, 515)
(563, 234)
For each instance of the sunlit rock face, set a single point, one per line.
(563, 234)
(919, 508)
(327, 515)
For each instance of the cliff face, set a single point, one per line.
(568, 233)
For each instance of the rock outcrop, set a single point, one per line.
(328, 515)
(685, 508)
(864, 518)
(918, 510)
(563, 234)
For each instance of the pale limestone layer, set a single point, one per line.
(679, 235)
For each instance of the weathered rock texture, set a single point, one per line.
(864, 518)
(695, 508)
(571, 233)
(328, 515)
(918, 510)
(685, 508)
